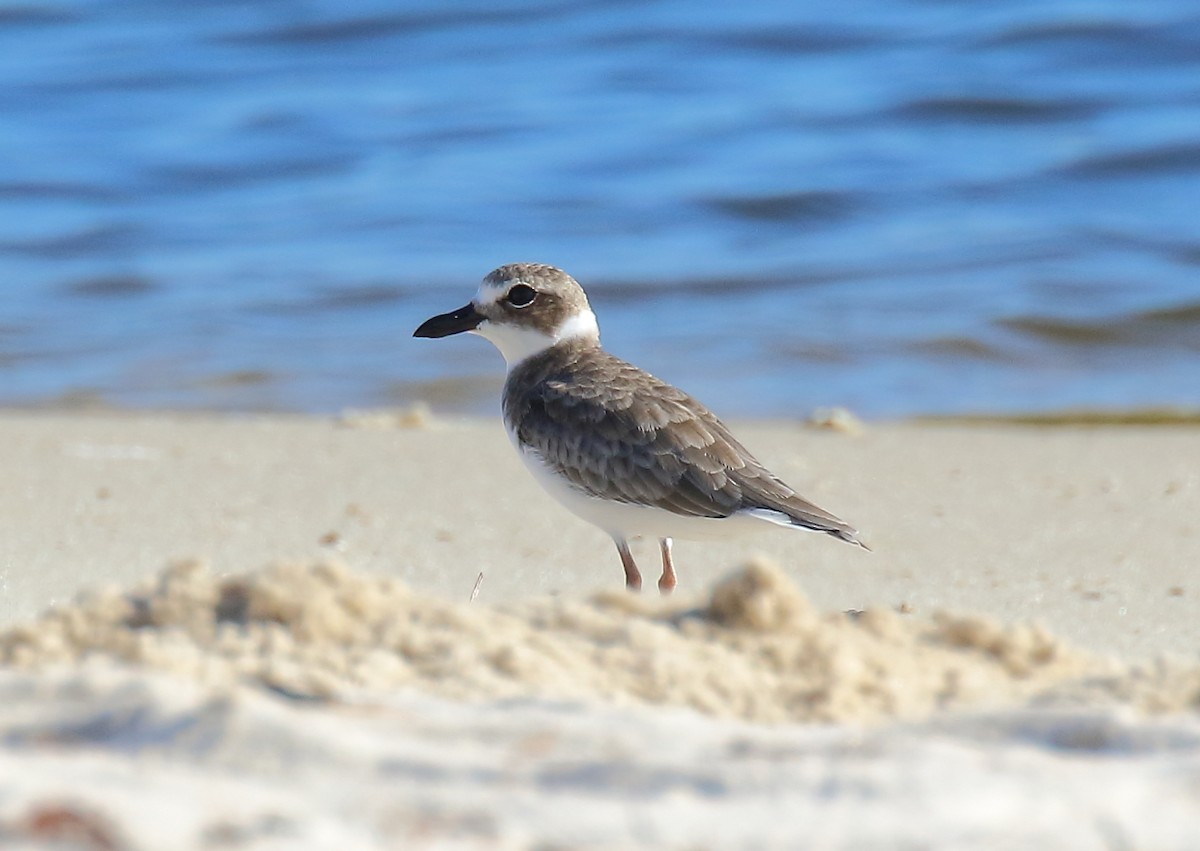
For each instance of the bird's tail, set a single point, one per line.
(850, 535)
(799, 513)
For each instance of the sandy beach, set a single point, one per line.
(1093, 532)
(269, 599)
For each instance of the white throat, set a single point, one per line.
(518, 342)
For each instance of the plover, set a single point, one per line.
(615, 445)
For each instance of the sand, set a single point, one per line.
(755, 649)
(139, 761)
(282, 619)
(1093, 532)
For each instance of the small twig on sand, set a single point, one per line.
(475, 590)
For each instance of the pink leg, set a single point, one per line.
(633, 577)
(666, 582)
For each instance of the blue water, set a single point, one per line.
(902, 207)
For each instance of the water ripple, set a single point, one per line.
(998, 110)
(1176, 157)
(810, 206)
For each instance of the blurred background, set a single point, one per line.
(900, 206)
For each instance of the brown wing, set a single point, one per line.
(619, 433)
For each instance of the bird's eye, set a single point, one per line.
(521, 295)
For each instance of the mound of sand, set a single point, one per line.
(755, 649)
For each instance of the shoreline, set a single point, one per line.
(1103, 417)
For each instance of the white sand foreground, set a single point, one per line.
(133, 761)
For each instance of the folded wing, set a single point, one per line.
(619, 433)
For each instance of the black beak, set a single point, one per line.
(464, 319)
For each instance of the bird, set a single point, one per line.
(617, 446)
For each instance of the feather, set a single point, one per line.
(618, 433)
